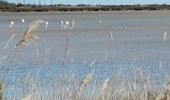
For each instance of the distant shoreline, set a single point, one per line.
(83, 8)
(85, 12)
(49, 10)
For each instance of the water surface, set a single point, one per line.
(137, 43)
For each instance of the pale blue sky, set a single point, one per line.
(94, 2)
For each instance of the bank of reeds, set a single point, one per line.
(87, 88)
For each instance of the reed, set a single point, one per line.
(104, 86)
(67, 51)
(27, 39)
(111, 35)
(8, 42)
(27, 98)
(72, 24)
(30, 35)
(1, 90)
(109, 89)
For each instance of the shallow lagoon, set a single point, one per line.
(137, 44)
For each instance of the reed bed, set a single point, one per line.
(88, 88)
(70, 87)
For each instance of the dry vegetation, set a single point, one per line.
(1, 91)
(69, 87)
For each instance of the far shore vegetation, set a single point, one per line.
(24, 7)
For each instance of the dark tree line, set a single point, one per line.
(27, 6)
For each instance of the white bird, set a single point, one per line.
(11, 24)
(62, 24)
(66, 24)
(22, 20)
(164, 37)
(46, 24)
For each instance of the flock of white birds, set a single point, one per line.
(68, 24)
(64, 24)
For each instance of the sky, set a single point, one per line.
(96, 2)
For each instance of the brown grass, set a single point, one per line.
(29, 35)
(1, 90)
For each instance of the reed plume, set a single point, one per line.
(87, 79)
(27, 97)
(104, 86)
(27, 38)
(29, 35)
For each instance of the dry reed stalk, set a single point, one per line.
(27, 38)
(3, 58)
(72, 24)
(111, 35)
(1, 90)
(46, 56)
(30, 35)
(33, 26)
(160, 97)
(37, 50)
(90, 64)
(87, 79)
(9, 40)
(66, 52)
(165, 95)
(10, 66)
(104, 86)
(27, 97)
(106, 56)
(167, 92)
(104, 93)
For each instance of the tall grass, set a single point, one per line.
(89, 88)
(28, 37)
(70, 87)
(1, 90)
